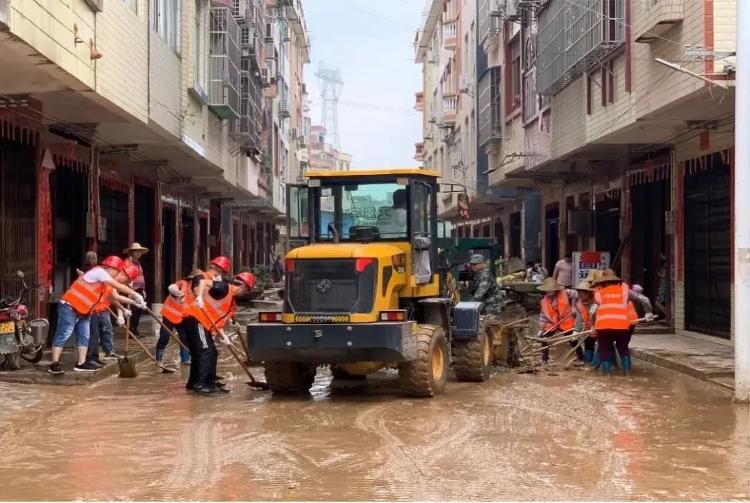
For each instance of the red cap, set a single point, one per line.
(222, 263)
(247, 278)
(114, 262)
(131, 271)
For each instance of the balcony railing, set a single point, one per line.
(419, 102)
(249, 125)
(574, 37)
(224, 62)
(450, 34)
(450, 107)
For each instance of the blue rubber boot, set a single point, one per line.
(607, 368)
(159, 355)
(596, 360)
(627, 364)
(588, 356)
(184, 357)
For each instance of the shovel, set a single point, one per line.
(127, 367)
(253, 382)
(164, 370)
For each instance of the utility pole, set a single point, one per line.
(741, 304)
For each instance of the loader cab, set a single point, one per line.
(363, 206)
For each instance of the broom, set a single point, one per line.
(127, 367)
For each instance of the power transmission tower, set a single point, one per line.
(330, 84)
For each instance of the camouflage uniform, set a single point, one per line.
(484, 289)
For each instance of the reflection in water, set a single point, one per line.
(573, 436)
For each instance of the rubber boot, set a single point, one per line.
(607, 368)
(159, 355)
(588, 356)
(596, 360)
(627, 364)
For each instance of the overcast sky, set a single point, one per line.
(370, 42)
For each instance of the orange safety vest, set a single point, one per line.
(104, 304)
(83, 296)
(563, 312)
(173, 309)
(614, 308)
(217, 311)
(585, 315)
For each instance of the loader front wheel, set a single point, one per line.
(472, 359)
(290, 378)
(427, 374)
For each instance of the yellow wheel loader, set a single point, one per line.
(366, 288)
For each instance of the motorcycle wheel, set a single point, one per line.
(12, 362)
(34, 356)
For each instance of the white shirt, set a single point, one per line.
(96, 275)
(563, 273)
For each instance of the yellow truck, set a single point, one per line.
(366, 288)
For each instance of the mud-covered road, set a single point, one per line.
(655, 435)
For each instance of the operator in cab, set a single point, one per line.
(483, 287)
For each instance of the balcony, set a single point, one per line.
(450, 35)
(224, 63)
(284, 108)
(574, 38)
(419, 152)
(449, 110)
(419, 102)
(249, 126)
(657, 17)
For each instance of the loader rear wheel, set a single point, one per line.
(290, 378)
(426, 376)
(472, 359)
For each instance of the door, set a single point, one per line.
(707, 250)
(515, 234)
(552, 233)
(168, 255)
(298, 215)
(648, 243)
(145, 225)
(607, 229)
(188, 241)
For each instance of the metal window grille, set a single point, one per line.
(224, 62)
(575, 36)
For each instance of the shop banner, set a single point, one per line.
(586, 261)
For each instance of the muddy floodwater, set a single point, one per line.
(655, 435)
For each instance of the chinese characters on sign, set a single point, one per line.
(586, 261)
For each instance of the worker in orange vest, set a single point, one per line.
(583, 318)
(180, 295)
(200, 325)
(615, 318)
(556, 311)
(75, 308)
(218, 268)
(101, 324)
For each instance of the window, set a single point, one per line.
(515, 73)
(380, 206)
(298, 212)
(421, 208)
(166, 21)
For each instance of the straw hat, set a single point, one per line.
(584, 285)
(607, 275)
(135, 246)
(593, 276)
(550, 285)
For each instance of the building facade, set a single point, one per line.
(608, 125)
(141, 120)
